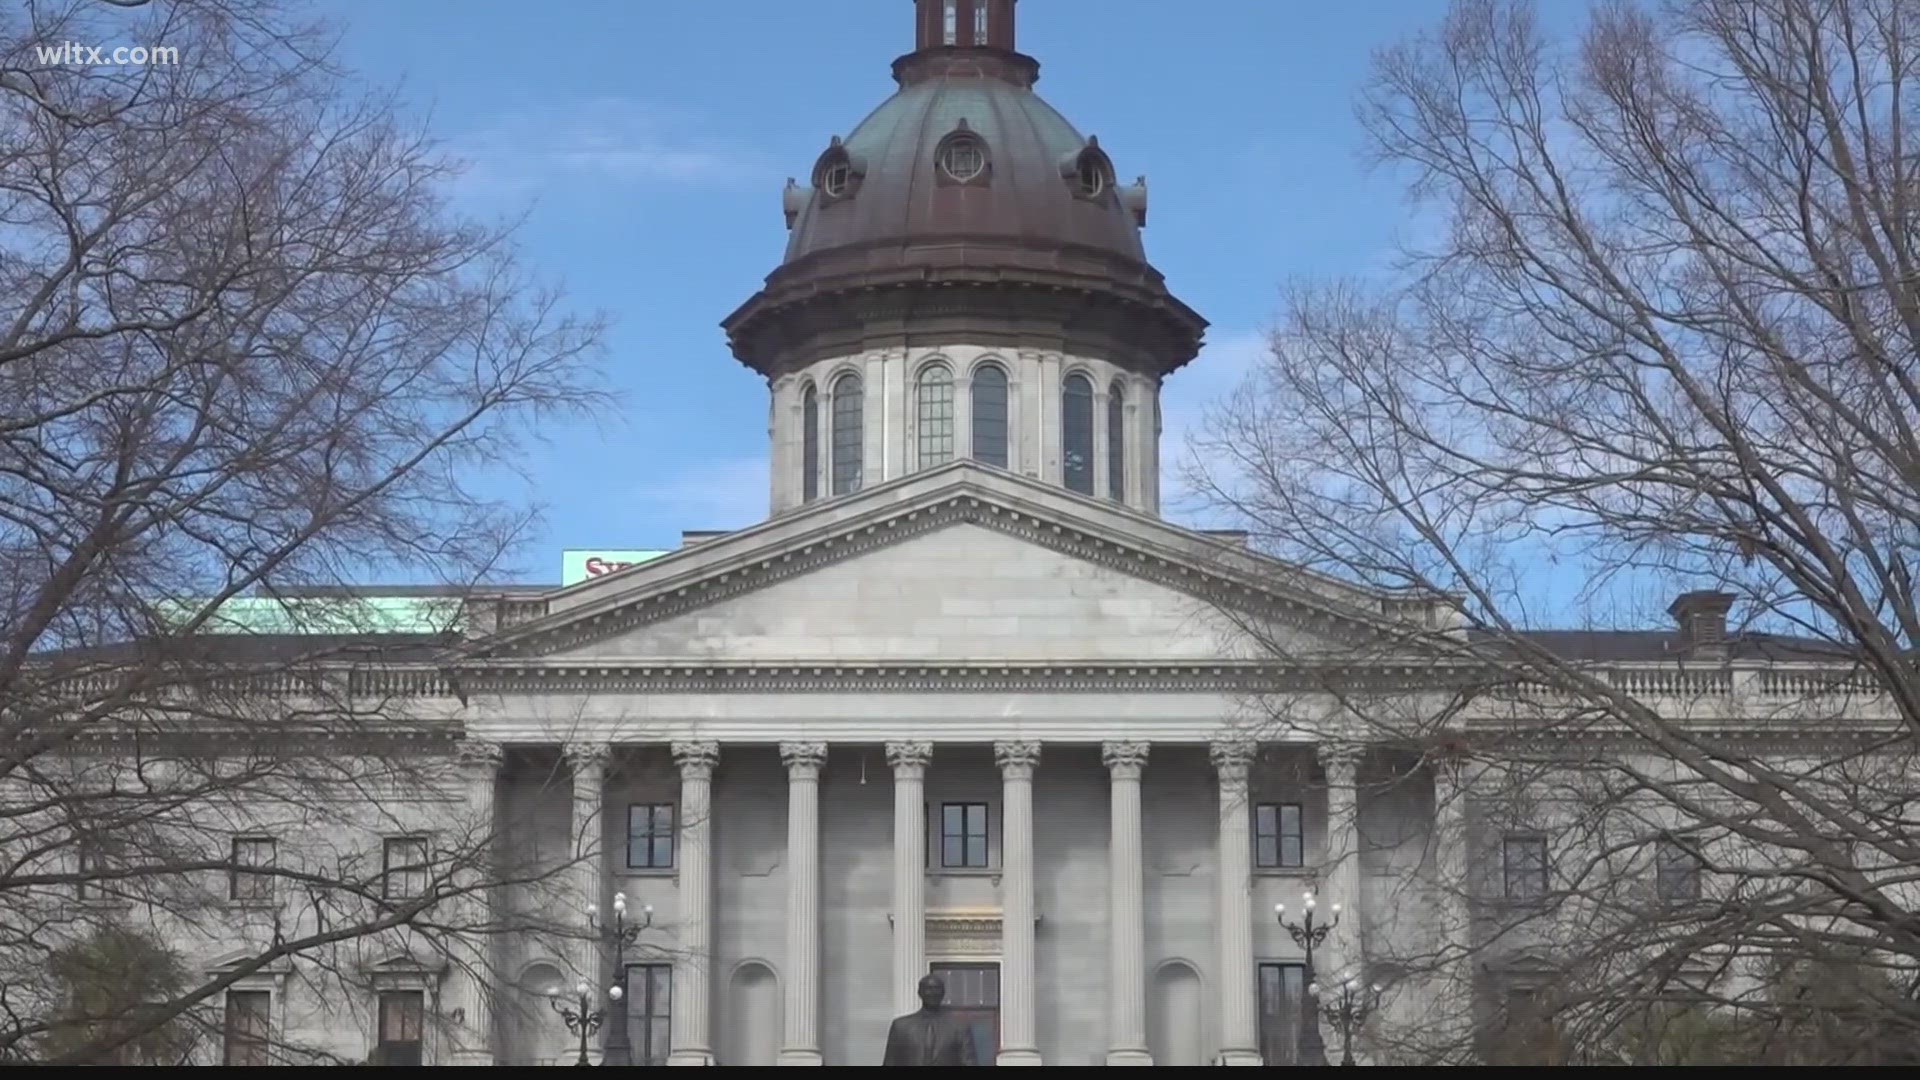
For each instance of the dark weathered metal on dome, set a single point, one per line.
(1039, 249)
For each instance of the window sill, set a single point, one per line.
(253, 903)
(650, 872)
(1306, 872)
(964, 871)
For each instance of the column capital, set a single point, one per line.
(1125, 760)
(583, 756)
(1017, 758)
(1340, 760)
(803, 759)
(1231, 759)
(479, 755)
(910, 758)
(696, 759)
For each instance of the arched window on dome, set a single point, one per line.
(1076, 433)
(1089, 172)
(962, 158)
(933, 399)
(810, 444)
(1116, 443)
(836, 175)
(990, 415)
(848, 433)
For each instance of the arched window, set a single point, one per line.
(1076, 433)
(962, 158)
(810, 444)
(934, 398)
(848, 434)
(1116, 443)
(990, 416)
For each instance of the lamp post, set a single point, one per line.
(1309, 935)
(582, 1021)
(618, 934)
(1347, 1011)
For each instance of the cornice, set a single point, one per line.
(564, 676)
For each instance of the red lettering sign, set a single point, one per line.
(599, 567)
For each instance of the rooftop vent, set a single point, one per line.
(1702, 616)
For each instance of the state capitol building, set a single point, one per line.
(962, 703)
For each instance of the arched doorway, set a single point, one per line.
(528, 1024)
(751, 1034)
(1175, 1012)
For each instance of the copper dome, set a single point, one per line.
(964, 208)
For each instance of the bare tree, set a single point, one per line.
(246, 354)
(1664, 336)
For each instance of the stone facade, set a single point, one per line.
(962, 721)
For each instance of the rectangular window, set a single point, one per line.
(650, 1012)
(973, 998)
(950, 33)
(1676, 871)
(92, 862)
(1279, 840)
(650, 836)
(251, 853)
(1523, 858)
(404, 868)
(1283, 989)
(979, 22)
(963, 834)
(403, 1016)
(247, 1027)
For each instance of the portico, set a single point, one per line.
(1015, 837)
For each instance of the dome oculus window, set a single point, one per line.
(1092, 182)
(963, 159)
(834, 175)
(1090, 173)
(835, 178)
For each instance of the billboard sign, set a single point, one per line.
(585, 564)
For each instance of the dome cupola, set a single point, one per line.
(964, 218)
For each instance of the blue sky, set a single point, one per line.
(647, 144)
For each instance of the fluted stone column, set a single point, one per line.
(471, 947)
(909, 761)
(1452, 1003)
(587, 877)
(801, 984)
(1239, 1031)
(1126, 918)
(1018, 1042)
(692, 1043)
(1342, 766)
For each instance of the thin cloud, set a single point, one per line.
(725, 493)
(596, 142)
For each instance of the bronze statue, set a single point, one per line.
(932, 1036)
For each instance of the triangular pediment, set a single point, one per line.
(960, 564)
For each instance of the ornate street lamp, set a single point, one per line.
(1309, 935)
(582, 1021)
(617, 935)
(1347, 1011)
